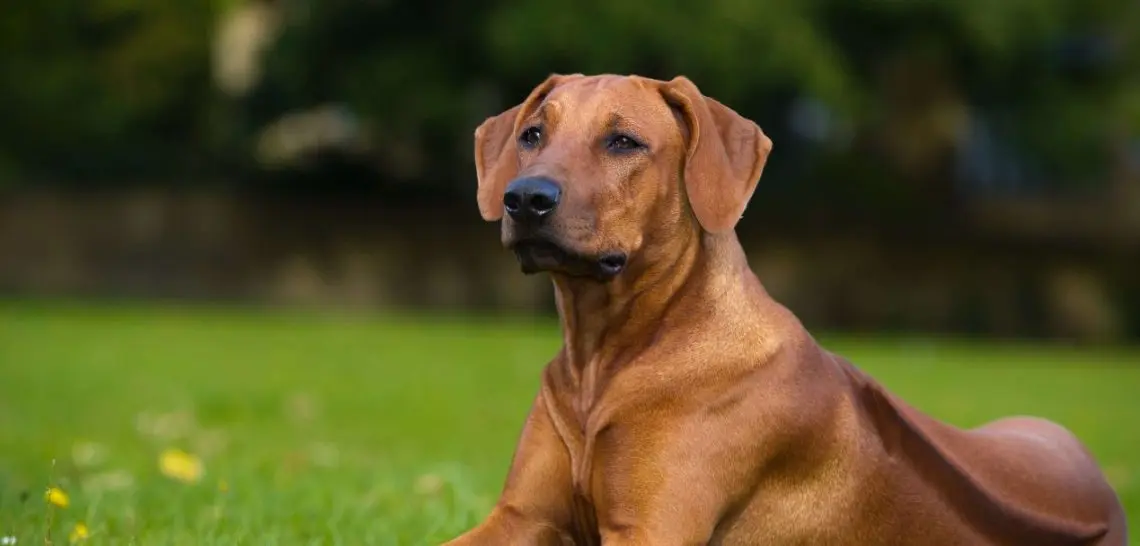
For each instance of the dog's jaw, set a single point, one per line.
(544, 256)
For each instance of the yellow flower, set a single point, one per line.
(179, 465)
(57, 497)
(79, 533)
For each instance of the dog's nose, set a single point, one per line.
(531, 198)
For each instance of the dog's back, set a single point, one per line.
(1017, 480)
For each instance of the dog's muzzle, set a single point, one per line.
(530, 203)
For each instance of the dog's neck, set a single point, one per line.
(605, 325)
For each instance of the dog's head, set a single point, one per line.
(589, 168)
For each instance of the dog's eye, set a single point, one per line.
(530, 137)
(623, 143)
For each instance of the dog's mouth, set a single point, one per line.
(539, 255)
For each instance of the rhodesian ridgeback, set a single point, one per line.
(686, 406)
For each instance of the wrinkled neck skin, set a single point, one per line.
(668, 282)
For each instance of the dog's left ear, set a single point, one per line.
(725, 156)
(496, 152)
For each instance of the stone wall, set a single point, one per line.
(221, 247)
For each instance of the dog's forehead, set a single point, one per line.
(606, 96)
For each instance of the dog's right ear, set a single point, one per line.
(496, 149)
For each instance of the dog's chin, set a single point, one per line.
(544, 256)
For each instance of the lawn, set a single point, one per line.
(181, 425)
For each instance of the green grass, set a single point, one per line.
(397, 430)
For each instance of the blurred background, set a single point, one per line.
(968, 167)
(246, 231)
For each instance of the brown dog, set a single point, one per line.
(686, 406)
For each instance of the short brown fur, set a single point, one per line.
(687, 406)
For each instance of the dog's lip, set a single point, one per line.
(612, 263)
(541, 247)
(531, 252)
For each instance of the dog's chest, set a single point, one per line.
(581, 448)
(583, 503)
(579, 433)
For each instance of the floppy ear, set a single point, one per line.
(496, 151)
(725, 156)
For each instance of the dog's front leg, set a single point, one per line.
(505, 526)
(667, 481)
(535, 506)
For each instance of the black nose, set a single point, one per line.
(531, 198)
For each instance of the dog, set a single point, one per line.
(686, 406)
